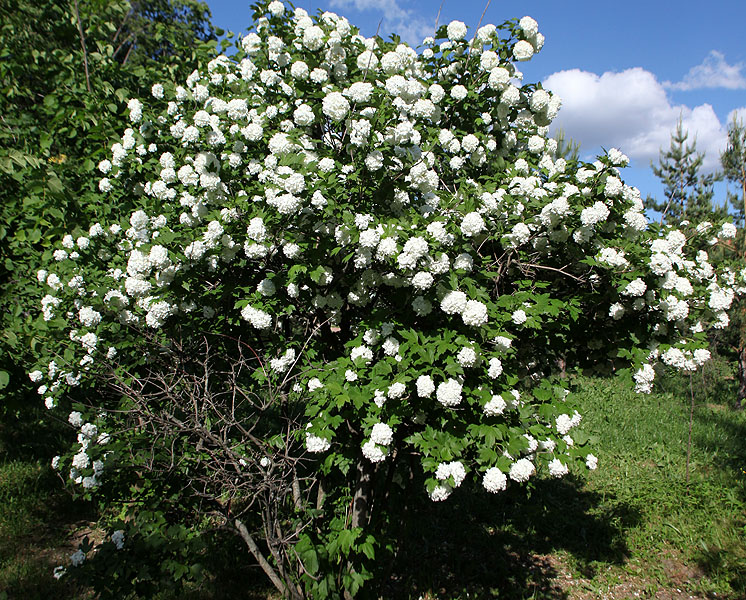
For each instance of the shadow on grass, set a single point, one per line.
(721, 434)
(483, 546)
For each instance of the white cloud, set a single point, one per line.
(631, 111)
(394, 19)
(714, 72)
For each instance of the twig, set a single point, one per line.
(437, 18)
(484, 12)
(82, 45)
(121, 27)
(535, 266)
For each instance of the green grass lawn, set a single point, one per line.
(631, 529)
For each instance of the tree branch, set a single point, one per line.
(266, 567)
(82, 45)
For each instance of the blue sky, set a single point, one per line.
(626, 70)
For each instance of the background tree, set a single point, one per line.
(733, 162)
(567, 147)
(689, 192)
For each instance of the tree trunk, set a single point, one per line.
(361, 503)
(741, 377)
(362, 498)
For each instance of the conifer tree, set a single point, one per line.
(689, 193)
(733, 161)
(567, 147)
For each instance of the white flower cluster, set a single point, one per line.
(451, 475)
(376, 448)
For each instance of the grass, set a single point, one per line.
(691, 536)
(631, 529)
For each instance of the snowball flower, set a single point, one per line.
(425, 386)
(459, 92)
(495, 368)
(284, 362)
(594, 214)
(613, 187)
(314, 384)
(372, 452)
(701, 356)
(454, 302)
(644, 378)
(449, 393)
(396, 390)
(276, 8)
(474, 313)
(361, 352)
(117, 539)
(316, 444)
(422, 280)
(521, 470)
(456, 30)
(494, 480)
(382, 434)
(258, 318)
(335, 106)
(591, 462)
(440, 493)
(529, 25)
(728, 230)
(564, 423)
(452, 469)
(472, 224)
(77, 558)
(557, 468)
(496, 406)
(523, 50)
(616, 311)
(467, 357)
(89, 317)
(519, 317)
(635, 288)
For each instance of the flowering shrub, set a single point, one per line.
(355, 266)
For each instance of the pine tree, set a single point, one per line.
(733, 161)
(567, 148)
(689, 193)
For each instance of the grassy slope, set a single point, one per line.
(634, 522)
